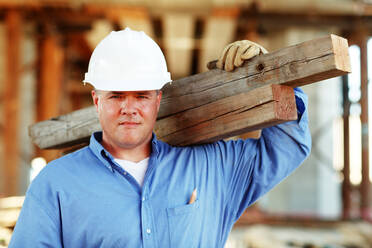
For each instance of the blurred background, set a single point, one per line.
(45, 47)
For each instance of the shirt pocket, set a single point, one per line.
(184, 225)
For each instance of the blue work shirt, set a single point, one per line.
(85, 199)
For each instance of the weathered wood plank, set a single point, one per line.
(305, 63)
(274, 103)
(65, 130)
(265, 106)
(297, 65)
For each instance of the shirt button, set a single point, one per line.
(143, 198)
(125, 173)
(148, 230)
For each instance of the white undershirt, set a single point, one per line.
(137, 170)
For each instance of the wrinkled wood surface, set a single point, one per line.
(256, 109)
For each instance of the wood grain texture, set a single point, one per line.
(297, 65)
(65, 130)
(256, 109)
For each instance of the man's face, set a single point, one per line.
(127, 117)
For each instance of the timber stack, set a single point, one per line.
(10, 207)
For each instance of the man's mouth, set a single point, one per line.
(129, 123)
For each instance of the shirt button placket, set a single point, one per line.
(146, 229)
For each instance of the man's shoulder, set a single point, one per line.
(62, 170)
(68, 162)
(70, 158)
(207, 148)
(213, 145)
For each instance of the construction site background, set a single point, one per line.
(44, 52)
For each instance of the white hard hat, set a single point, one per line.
(127, 60)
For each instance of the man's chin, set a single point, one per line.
(130, 142)
(132, 138)
(128, 145)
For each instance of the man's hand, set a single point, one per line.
(236, 53)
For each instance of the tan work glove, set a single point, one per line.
(234, 54)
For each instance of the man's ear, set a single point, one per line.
(158, 98)
(95, 98)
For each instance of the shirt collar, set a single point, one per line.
(154, 145)
(95, 145)
(105, 157)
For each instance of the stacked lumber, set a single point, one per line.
(5, 235)
(10, 208)
(216, 104)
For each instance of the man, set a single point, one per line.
(128, 189)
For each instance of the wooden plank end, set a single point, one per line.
(341, 51)
(285, 107)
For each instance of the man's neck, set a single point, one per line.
(135, 154)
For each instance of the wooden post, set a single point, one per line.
(50, 83)
(365, 204)
(346, 186)
(11, 101)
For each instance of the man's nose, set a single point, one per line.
(129, 106)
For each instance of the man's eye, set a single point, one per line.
(142, 97)
(114, 97)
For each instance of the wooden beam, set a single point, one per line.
(51, 75)
(346, 184)
(293, 66)
(265, 106)
(261, 107)
(365, 187)
(13, 21)
(251, 33)
(314, 7)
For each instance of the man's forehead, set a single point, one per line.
(144, 92)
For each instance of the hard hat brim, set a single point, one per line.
(136, 85)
